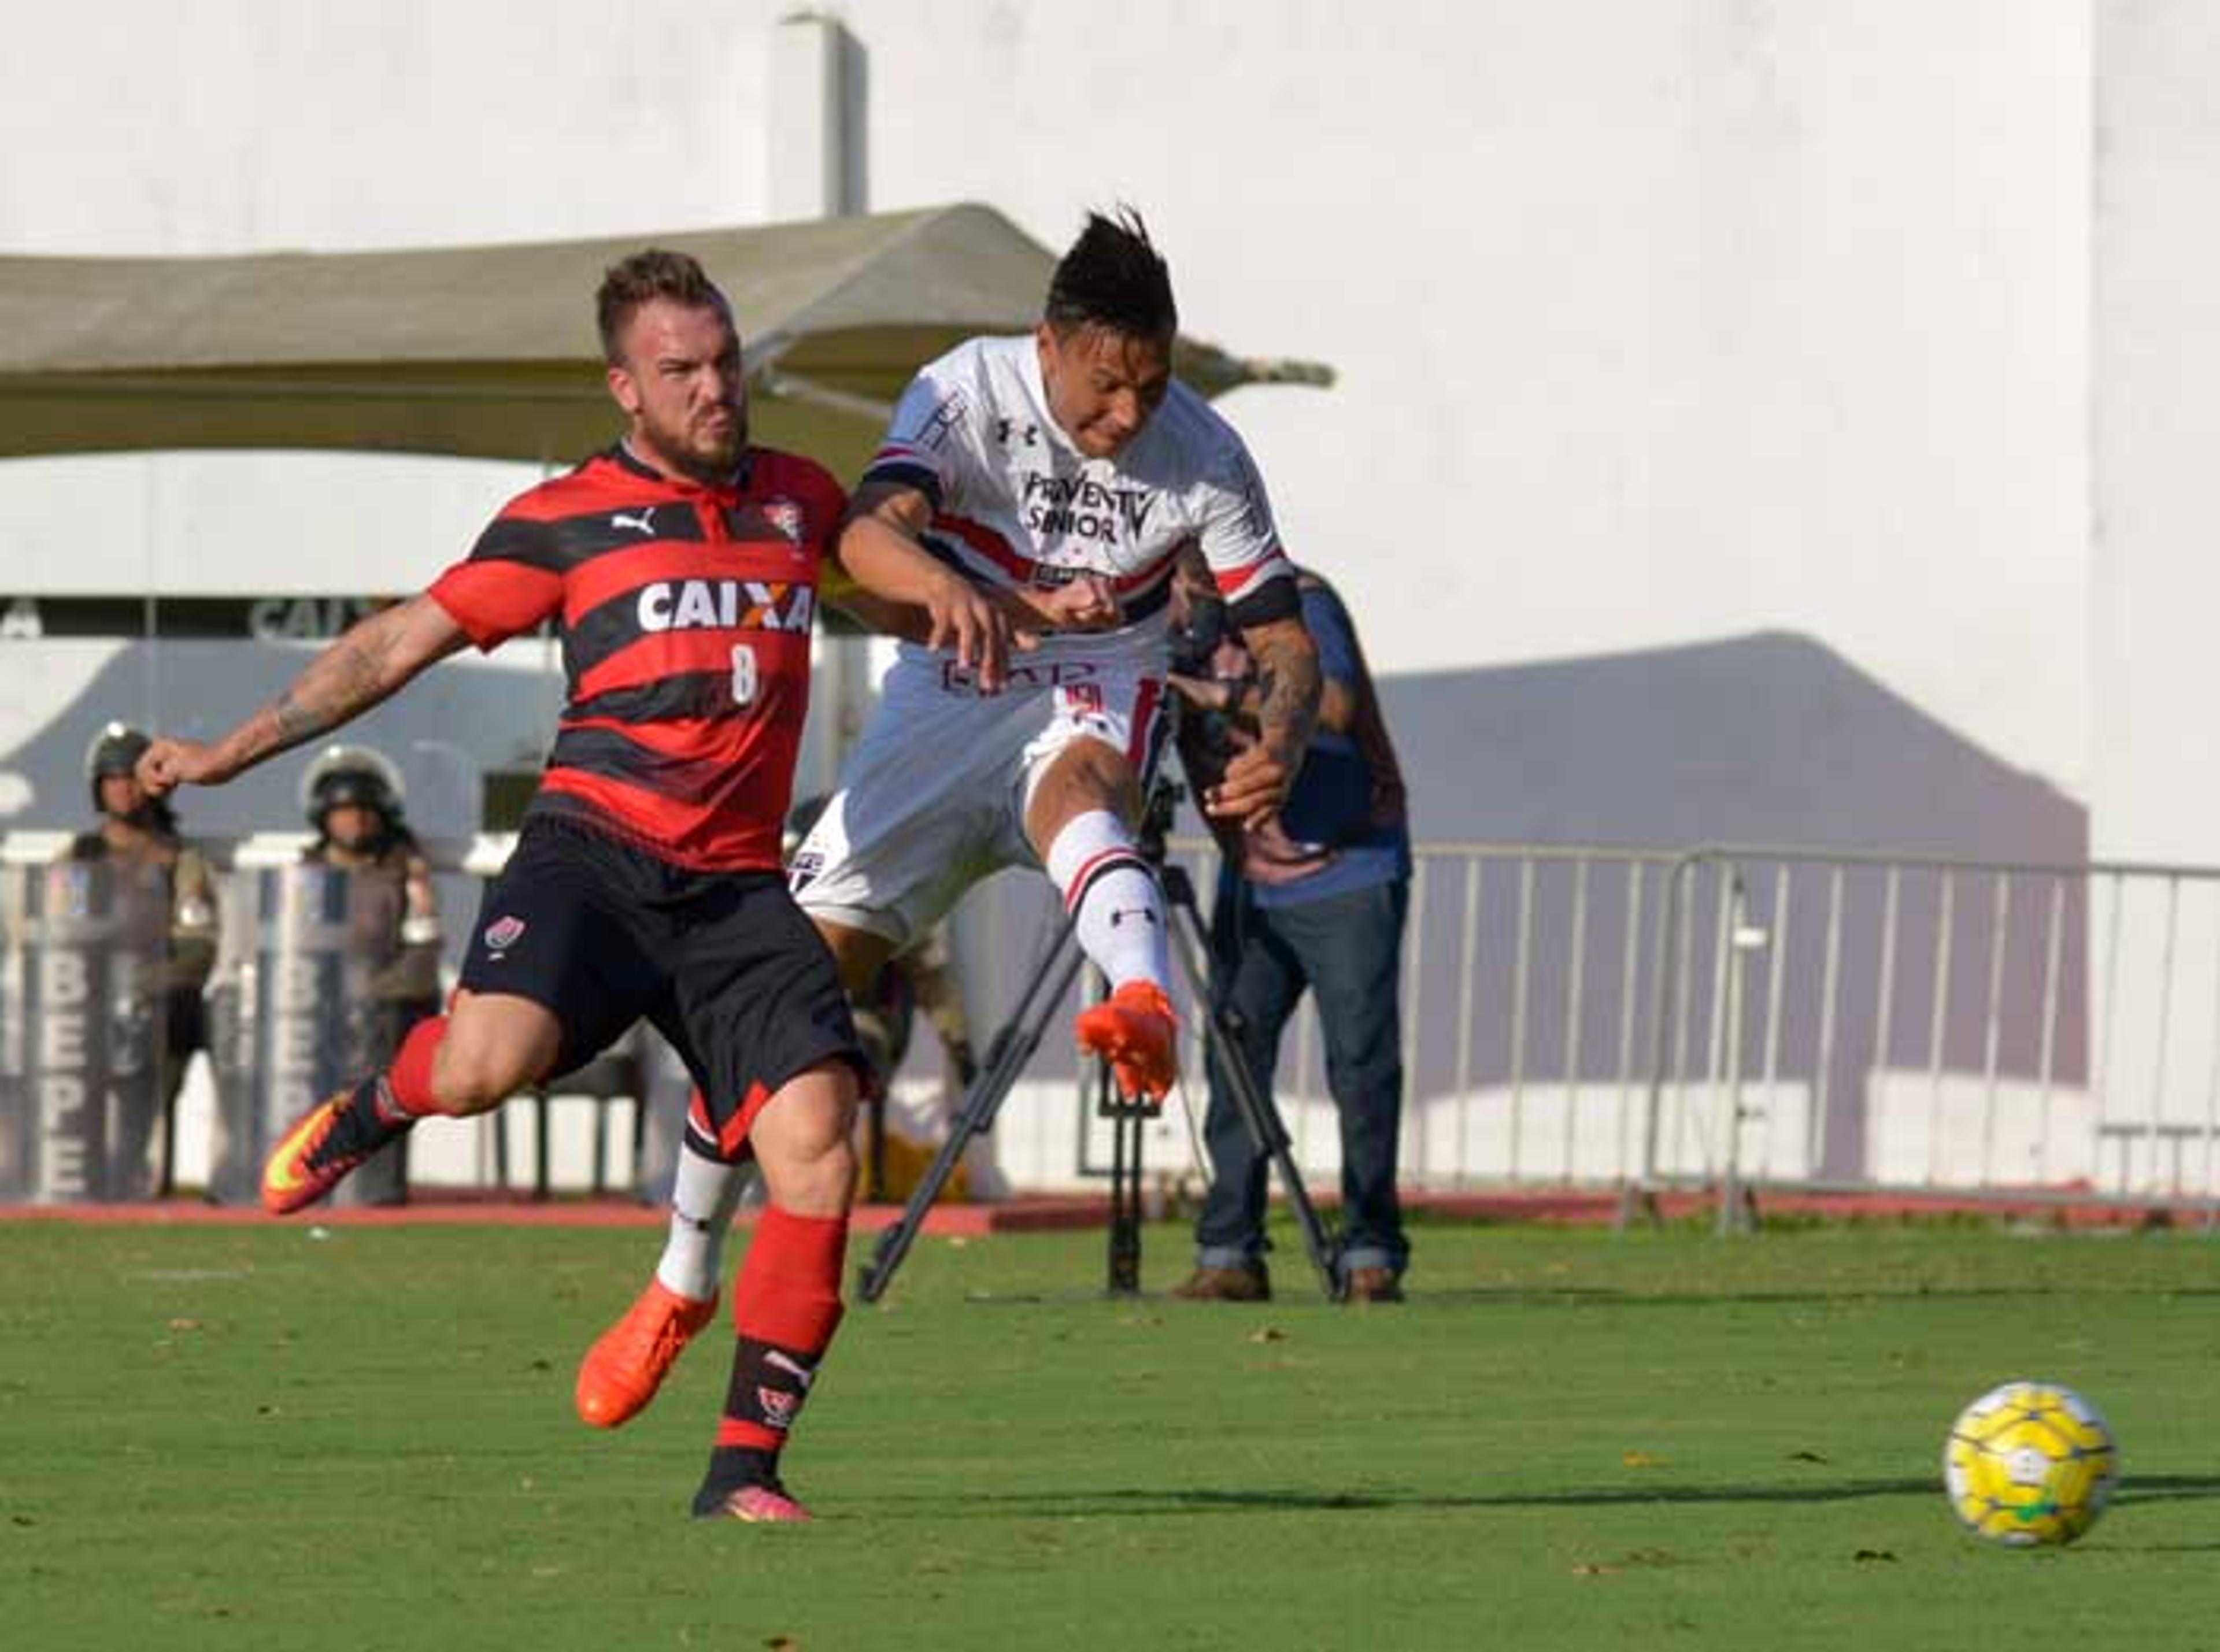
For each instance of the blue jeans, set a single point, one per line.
(1348, 949)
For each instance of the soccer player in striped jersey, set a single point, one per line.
(1069, 461)
(681, 567)
(1064, 468)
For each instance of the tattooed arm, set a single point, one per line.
(1285, 709)
(370, 661)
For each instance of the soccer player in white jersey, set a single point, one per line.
(1055, 475)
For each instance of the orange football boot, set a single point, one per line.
(327, 1142)
(1134, 1030)
(623, 1370)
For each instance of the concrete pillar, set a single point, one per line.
(808, 149)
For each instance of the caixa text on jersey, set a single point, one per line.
(726, 604)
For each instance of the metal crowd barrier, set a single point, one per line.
(1909, 1024)
(1740, 1020)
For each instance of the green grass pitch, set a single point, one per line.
(255, 1437)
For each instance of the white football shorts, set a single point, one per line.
(933, 797)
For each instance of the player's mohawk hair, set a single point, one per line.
(1115, 277)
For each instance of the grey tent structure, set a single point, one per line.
(490, 352)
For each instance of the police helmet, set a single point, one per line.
(356, 774)
(115, 750)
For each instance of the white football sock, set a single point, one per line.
(1111, 894)
(703, 1197)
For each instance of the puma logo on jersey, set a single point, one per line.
(725, 605)
(644, 521)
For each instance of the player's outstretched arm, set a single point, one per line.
(1086, 604)
(879, 548)
(368, 662)
(1257, 779)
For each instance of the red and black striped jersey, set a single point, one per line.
(684, 611)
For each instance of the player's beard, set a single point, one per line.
(698, 446)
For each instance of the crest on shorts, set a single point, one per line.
(784, 514)
(503, 933)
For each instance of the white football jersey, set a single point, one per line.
(1015, 504)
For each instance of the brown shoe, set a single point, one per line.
(1250, 1284)
(1372, 1285)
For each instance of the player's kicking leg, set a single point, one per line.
(468, 1061)
(1077, 819)
(786, 1299)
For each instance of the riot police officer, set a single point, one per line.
(354, 798)
(137, 835)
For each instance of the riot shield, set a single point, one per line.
(295, 1013)
(81, 1034)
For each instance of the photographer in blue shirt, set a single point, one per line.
(1313, 899)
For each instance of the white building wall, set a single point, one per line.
(1655, 322)
(2155, 577)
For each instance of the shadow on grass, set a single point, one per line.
(1266, 1499)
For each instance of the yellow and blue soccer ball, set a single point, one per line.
(2030, 1463)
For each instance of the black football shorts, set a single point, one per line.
(723, 963)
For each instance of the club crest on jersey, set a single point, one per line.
(503, 933)
(725, 605)
(784, 514)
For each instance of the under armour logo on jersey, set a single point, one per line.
(644, 521)
(1029, 435)
(1122, 914)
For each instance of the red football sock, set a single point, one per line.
(408, 1080)
(786, 1306)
